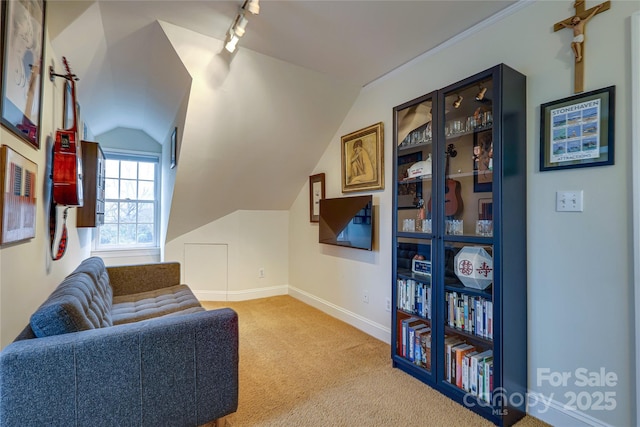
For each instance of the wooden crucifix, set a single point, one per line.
(578, 24)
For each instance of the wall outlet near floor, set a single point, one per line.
(387, 304)
(261, 273)
(365, 297)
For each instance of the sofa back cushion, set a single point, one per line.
(82, 301)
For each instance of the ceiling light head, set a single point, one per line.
(240, 26)
(252, 6)
(232, 43)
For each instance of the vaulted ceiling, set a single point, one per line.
(252, 124)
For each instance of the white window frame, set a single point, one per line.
(134, 249)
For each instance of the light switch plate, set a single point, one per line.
(569, 201)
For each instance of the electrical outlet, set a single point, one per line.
(365, 297)
(261, 273)
(569, 201)
(387, 304)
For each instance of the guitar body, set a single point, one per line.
(453, 204)
(67, 169)
(67, 158)
(452, 198)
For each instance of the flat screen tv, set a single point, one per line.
(347, 221)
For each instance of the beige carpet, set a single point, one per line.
(301, 367)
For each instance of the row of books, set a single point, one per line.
(414, 297)
(468, 367)
(470, 314)
(416, 342)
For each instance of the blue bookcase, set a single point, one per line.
(459, 273)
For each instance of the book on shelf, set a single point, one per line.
(473, 370)
(418, 358)
(425, 344)
(409, 329)
(488, 380)
(460, 353)
(466, 366)
(449, 343)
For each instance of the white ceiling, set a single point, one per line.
(138, 66)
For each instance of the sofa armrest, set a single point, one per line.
(133, 279)
(176, 370)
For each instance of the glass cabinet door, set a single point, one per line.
(414, 304)
(468, 159)
(414, 167)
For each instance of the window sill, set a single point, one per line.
(119, 253)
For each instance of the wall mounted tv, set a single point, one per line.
(347, 221)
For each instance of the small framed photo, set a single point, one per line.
(174, 148)
(483, 161)
(363, 159)
(316, 193)
(578, 131)
(18, 178)
(22, 53)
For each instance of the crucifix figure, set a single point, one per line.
(578, 24)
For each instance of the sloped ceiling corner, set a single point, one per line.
(255, 127)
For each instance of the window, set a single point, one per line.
(131, 202)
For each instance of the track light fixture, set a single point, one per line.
(457, 102)
(252, 6)
(239, 26)
(480, 95)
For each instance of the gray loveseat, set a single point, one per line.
(121, 346)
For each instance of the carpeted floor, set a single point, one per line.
(301, 367)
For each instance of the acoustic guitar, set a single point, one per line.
(452, 199)
(67, 157)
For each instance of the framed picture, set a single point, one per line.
(409, 190)
(22, 53)
(482, 161)
(578, 131)
(174, 148)
(18, 177)
(363, 159)
(316, 193)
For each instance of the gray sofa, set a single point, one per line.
(121, 346)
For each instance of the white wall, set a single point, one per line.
(579, 281)
(255, 240)
(27, 273)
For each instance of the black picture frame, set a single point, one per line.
(174, 148)
(578, 131)
(316, 193)
(22, 68)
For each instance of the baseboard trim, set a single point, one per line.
(243, 295)
(374, 329)
(556, 414)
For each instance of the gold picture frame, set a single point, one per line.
(18, 178)
(362, 155)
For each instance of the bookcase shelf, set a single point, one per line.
(462, 330)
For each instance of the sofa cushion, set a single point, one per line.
(160, 302)
(82, 301)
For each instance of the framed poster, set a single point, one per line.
(578, 131)
(22, 53)
(316, 193)
(363, 159)
(18, 177)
